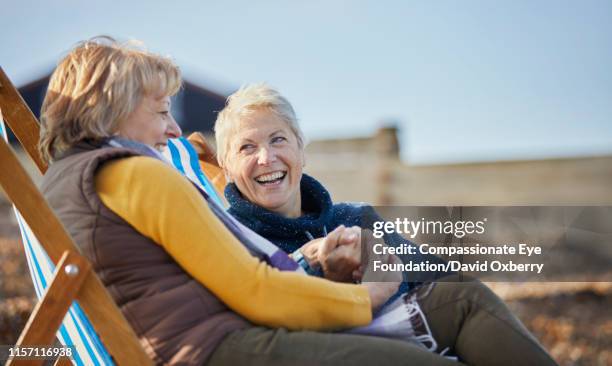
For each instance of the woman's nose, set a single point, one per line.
(265, 156)
(173, 130)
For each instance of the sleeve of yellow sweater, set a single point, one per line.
(162, 205)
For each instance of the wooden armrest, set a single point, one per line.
(205, 152)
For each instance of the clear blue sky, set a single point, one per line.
(465, 80)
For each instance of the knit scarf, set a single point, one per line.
(287, 233)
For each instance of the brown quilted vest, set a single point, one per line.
(177, 319)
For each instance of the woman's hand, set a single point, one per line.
(338, 254)
(370, 257)
(310, 251)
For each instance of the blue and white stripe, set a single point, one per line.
(185, 159)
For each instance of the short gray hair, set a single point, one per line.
(246, 100)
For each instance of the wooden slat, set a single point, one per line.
(114, 331)
(20, 119)
(49, 312)
(205, 152)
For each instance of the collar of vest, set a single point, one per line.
(81, 147)
(113, 142)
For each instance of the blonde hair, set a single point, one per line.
(97, 85)
(246, 100)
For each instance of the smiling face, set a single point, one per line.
(265, 162)
(151, 123)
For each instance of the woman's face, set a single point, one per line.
(265, 162)
(151, 123)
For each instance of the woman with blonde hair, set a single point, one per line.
(190, 290)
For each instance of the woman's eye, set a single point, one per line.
(246, 147)
(278, 139)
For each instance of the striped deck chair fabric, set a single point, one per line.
(185, 159)
(76, 330)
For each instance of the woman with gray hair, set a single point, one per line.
(261, 150)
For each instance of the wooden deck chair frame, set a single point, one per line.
(73, 278)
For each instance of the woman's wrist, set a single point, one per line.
(310, 251)
(308, 263)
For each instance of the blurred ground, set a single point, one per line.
(572, 320)
(576, 328)
(16, 290)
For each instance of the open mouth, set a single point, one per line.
(270, 179)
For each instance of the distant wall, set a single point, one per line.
(363, 170)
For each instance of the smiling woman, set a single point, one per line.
(264, 156)
(265, 160)
(262, 153)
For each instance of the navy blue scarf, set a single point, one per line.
(287, 233)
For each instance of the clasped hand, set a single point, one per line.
(338, 254)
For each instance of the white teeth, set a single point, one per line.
(270, 177)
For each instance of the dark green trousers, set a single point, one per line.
(476, 325)
(465, 317)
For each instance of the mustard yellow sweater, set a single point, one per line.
(164, 206)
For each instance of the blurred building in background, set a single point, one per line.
(369, 169)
